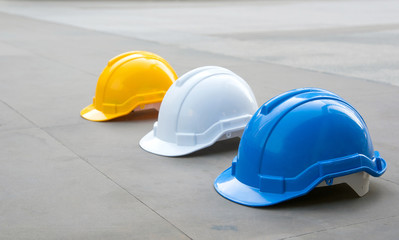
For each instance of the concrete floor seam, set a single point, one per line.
(337, 227)
(50, 59)
(175, 46)
(255, 59)
(389, 181)
(310, 32)
(322, 72)
(98, 170)
(20, 114)
(103, 32)
(18, 129)
(117, 184)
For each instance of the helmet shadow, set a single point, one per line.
(219, 147)
(330, 196)
(138, 116)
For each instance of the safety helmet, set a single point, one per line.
(296, 141)
(131, 81)
(205, 105)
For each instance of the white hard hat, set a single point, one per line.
(205, 105)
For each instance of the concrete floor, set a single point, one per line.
(357, 38)
(63, 177)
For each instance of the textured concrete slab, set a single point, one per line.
(64, 177)
(48, 192)
(353, 38)
(380, 228)
(39, 93)
(10, 119)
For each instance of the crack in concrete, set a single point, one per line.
(390, 181)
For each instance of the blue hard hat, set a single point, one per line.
(293, 143)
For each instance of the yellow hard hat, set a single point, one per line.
(131, 81)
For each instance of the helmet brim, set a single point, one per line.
(92, 114)
(154, 145)
(232, 189)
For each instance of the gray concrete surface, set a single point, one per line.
(63, 177)
(357, 38)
